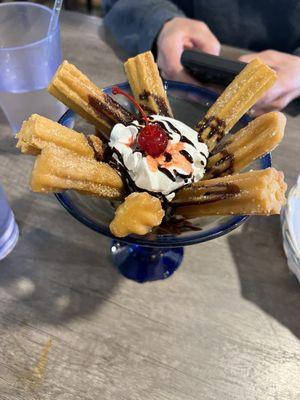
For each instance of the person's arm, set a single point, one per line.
(178, 34)
(135, 24)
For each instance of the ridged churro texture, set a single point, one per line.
(139, 213)
(39, 132)
(259, 192)
(146, 84)
(239, 96)
(75, 90)
(259, 137)
(56, 170)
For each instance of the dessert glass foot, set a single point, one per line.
(144, 264)
(156, 255)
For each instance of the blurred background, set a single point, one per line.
(92, 7)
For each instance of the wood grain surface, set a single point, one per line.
(225, 326)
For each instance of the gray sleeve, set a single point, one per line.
(136, 23)
(297, 51)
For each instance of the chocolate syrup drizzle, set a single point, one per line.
(147, 109)
(168, 157)
(187, 155)
(98, 155)
(169, 128)
(183, 176)
(217, 128)
(184, 139)
(167, 173)
(101, 135)
(114, 158)
(129, 184)
(110, 110)
(218, 168)
(160, 102)
(175, 226)
(217, 192)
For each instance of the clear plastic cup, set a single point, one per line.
(9, 232)
(29, 57)
(290, 217)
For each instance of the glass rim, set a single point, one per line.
(32, 44)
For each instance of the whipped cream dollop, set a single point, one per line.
(182, 162)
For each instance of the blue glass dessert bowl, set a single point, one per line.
(158, 254)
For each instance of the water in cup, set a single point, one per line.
(19, 106)
(29, 57)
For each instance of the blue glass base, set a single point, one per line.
(144, 264)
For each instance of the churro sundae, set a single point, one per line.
(153, 165)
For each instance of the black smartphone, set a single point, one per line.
(210, 69)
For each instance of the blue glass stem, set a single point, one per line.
(144, 264)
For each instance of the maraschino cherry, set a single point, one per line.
(152, 139)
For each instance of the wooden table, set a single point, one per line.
(225, 326)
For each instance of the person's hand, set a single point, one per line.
(177, 35)
(287, 86)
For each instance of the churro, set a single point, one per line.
(139, 213)
(76, 91)
(259, 192)
(146, 84)
(57, 169)
(259, 137)
(239, 96)
(39, 132)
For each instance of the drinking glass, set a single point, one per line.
(29, 57)
(9, 232)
